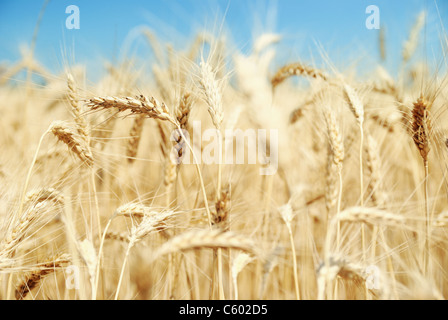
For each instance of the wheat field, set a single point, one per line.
(94, 205)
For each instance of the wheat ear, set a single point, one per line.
(371, 216)
(336, 156)
(411, 44)
(421, 130)
(19, 230)
(206, 238)
(135, 137)
(81, 124)
(65, 134)
(296, 69)
(211, 90)
(81, 148)
(32, 279)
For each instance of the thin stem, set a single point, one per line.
(294, 261)
(361, 181)
(390, 265)
(201, 180)
(218, 195)
(92, 177)
(22, 200)
(218, 189)
(220, 281)
(100, 254)
(27, 181)
(338, 234)
(235, 288)
(427, 218)
(122, 270)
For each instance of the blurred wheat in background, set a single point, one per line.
(94, 207)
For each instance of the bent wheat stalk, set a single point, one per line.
(421, 129)
(357, 107)
(150, 224)
(337, 155)
(153, 109)
(211, 89)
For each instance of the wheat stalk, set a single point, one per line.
(421, 130)
(149, 224)
(211, 90)
(81, 123)
(153, 109)
(337, 157)
(88, 253)
(411, 44)
(357, 107)
(287, 215)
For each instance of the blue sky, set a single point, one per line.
(109, 29)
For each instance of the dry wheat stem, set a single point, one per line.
(287, 215)
(421, 129)
(88, 254)
(153, 109)
(28, 176)
(212, 92)
(357, 108)
(81, 123)
(149, 225)
(127, 210)
(411, 44)
(337, 157)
